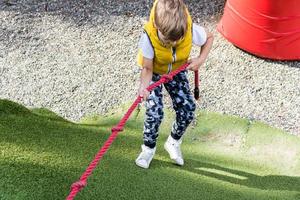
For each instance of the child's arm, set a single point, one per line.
(195, 63)
(146, 76)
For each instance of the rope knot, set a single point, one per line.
(166, 78)
(117, 128)
(79, 185)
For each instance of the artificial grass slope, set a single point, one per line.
(226, 158)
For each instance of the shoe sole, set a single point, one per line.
(142, 166)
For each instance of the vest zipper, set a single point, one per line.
(173, 49)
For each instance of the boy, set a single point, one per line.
(164, 46)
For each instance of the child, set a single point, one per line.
(164, 46)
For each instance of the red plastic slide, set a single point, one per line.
(266, 28)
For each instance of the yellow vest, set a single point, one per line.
(167, 59)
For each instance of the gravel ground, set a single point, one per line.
(79, 58)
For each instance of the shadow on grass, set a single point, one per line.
(269, 182)
(48, 114)
(34, 181)
(109, 123)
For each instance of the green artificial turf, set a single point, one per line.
(226, 158)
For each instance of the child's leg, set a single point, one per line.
(154, 114)
(153, 118)
(183, 103)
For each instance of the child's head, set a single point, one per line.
(171, 20)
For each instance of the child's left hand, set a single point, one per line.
(195, 63)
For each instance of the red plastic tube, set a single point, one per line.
(266, 28)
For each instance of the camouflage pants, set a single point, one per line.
(183, 105)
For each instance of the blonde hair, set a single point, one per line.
(170, 18)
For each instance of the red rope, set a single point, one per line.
(79, 185)
(197, 78)
(196, 90)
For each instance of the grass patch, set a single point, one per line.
(226, 157)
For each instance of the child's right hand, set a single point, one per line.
(143, 93)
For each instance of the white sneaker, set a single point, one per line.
(172, 146)
(145, 157)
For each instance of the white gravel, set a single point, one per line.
(79, 58)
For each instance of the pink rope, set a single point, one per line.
(79, 185)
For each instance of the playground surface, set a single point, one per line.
(78, 58)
